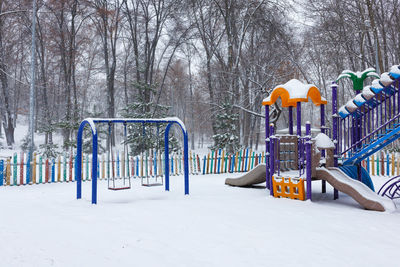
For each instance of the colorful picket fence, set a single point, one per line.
(218, 161)
(383, 163)
(16, 170)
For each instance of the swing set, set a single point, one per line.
(112, 183)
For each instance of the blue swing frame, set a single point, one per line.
(92, 123)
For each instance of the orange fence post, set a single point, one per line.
(8, 171)
(373, 165)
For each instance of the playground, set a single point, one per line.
(242, 209)
(44, 225)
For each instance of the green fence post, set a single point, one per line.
(65, 167)
(40, 169)
(15, 166)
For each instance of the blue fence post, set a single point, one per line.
(246, 158)
(28, 169)
(387, 164)
(137, 166)
(233, 163)
(368, 167)
(53, 171)
(1, 172)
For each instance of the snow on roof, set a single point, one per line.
(322, 141)
(372, 74)
(295, 91)
(385, 79)
(395, 71)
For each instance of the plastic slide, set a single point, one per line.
(357, 190)
(255, 176)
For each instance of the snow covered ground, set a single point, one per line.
(216, 225)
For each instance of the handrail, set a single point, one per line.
(372, 133)
(382, 97)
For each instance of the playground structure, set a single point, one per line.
(92, 123)
(364, 125)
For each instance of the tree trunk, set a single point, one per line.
(6, 108)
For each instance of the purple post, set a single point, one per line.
(335, 133)
(340, 133)
(291, 120)
(347, 122)
(298, 119)
(377, 115)
(381, 109)
(353, 129)
(364, 122)
(267, 145)
(369, 121)
(385, 109)
(272, 158)
(308, 159)
(322, 116)
(398, 96)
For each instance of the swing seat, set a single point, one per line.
(117, 185)
(149, 184)
(153, 184)
(118, 188)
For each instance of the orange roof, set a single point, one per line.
(293, 92)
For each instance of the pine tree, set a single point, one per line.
(142, 137)
(48, 149)
(102, 134)
(73, 127)
(226, 127)
(25, 143)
